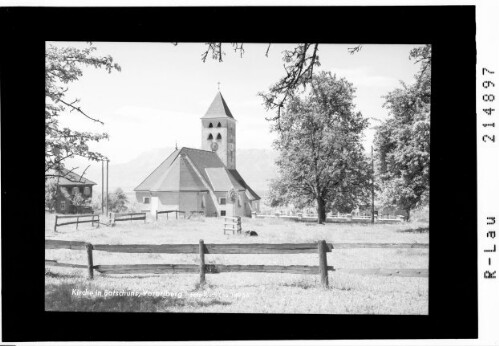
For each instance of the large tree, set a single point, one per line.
(63, 65)
(403, 140)
(321, 158)
(298, 64)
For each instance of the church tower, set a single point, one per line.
(219, 131)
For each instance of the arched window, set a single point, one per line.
(210, 137)
(219, 136)
(211, 125)
(219, 125)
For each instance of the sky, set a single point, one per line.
(163, 90)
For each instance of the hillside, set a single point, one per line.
(255, 165)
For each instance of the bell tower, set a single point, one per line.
(219, 131)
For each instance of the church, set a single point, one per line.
(202, 180)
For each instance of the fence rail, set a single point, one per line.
(195, 212)
(386, 272)
(170, 211)
(117, 217)
(95, 218)
(331, 218)
(321, 248)
(232, 224)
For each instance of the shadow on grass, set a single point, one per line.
(415, 230)
(303, 285)
(61, 297)
(50, 274)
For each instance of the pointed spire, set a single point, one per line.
(218, 108)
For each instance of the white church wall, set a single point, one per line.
(168, 200)
(190, 201)
(210, 208)
(140, 195)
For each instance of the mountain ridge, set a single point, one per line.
(256, 166)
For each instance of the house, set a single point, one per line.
(69, 185)
(202, 180)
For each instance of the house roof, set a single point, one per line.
(179, 172)
(218, 108)
(71, 178)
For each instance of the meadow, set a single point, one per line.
(241, 292)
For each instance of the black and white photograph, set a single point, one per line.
(217, 177)
(249, 173)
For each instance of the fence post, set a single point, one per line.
(90, 261)
(77, 218)
(176, 214)
(323, 263)
(202, 268)
(98, 220)
(55, 225)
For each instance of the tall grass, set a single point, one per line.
(244, 292)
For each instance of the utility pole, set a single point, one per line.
(102, 195)
(372, 184)
(107, 187)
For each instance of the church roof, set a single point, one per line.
(173, 174)
(219, 179)
(218, 108)
(241, 181)
(180, 172)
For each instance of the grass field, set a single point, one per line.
(241, 292)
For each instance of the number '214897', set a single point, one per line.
(488, 96)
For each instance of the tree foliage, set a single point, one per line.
(299, 64)
(118, 201)
(403, 140)
(62, 67)
(321, 157)
(50, 193)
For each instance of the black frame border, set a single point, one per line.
(453, 312)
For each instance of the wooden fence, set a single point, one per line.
(94, 218)
(321, 248)
(232, 224)
(170, 211)
(115, 217)
(335, 218)
(195, 212)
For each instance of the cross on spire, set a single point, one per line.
(218, 86)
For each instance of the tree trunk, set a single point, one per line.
(408, 211)
(321, 210)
